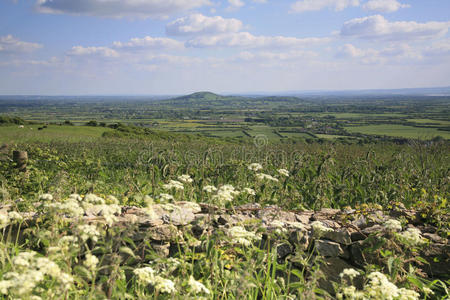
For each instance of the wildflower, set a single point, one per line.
(93, 199)
(262, 176)
(90, 262)
(278, 225)
(164, 285)
(380, 287)
(88, 231)
(197, 287)
(351, 273)
(165, 197)
(145, 275)
(75, 197)
(428, 291)
(393, 225)
(46, 197)
(225, 193)
(185, 178)
(319, 229)
(13, 215)
(350, 292)
(241, 236)
(4, 220)
(255, 167)
(173, 184)
(283, 172)
(209, 188)
(250, 191)
(70, 207)
(412, 236)
(406, 294)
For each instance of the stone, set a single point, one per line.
(340, 236)
(284, 250)
(438, 257)
(356, 254)
(357, 236)
(433, 237)
(300, 239)
(182, 216)
(328, 248)
(331, 268)
(373, 229)
(162, 233)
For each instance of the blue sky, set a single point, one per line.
(66, 47)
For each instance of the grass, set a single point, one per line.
(399, 131)
(30, 133)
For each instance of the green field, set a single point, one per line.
(400, 131)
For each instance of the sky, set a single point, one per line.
(150, 47)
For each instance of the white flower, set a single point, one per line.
(14, 215)
(90, 262)
(351, 273)
(412, 236)
(4, 220)
(209, 188)
(255, 167)
(164, 285)
(241, 236)
(225, 194)
(283, 172)
(93, 199)
(262, 176)
(165, 197)
(185, 178)
(380, 287)
(406, 294)
(197, 287)
(249, 191)
(46, 197)
(393, 225)
(319, 229)
(145, 275)
(88, 231)
(173, 184)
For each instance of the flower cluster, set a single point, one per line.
(87, 231)
(393, 225)
(255, 167)
(174, 184)
(262, 176)
(249, 191)
(411, 236)
(378, 287)
(239, 235)
(209, 188)
(283, 172)
(185, 178)
(225, 193)
(29, 271)
(90, 262)
(319, 229)
(147, 275)
(198, 287)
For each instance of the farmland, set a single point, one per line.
(91, 161)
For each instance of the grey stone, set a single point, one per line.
(328, 248)
(284, 250)
(341, 236)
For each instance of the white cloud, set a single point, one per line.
(438, 49)
(247, 40)
(93, 51)
(377, 27)
(149, 42)
(385, 6)
(10, 44)
(397, 54)
(198, 24)
(118, 8)
(235, 4)
(315, 5)
(259, 1)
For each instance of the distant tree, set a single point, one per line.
(92, 123)
(67, 122)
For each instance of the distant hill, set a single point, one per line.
(208, 99)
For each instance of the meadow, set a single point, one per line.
(108, 168)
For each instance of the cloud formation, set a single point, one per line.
(118, 8)
(149, 42)
(247, 40)
(377, 27)
(93, 51)
(315, 5)
(384, 6)
(198, 24)
(10, 44)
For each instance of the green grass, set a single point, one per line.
(399, 131)
(30, 133)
